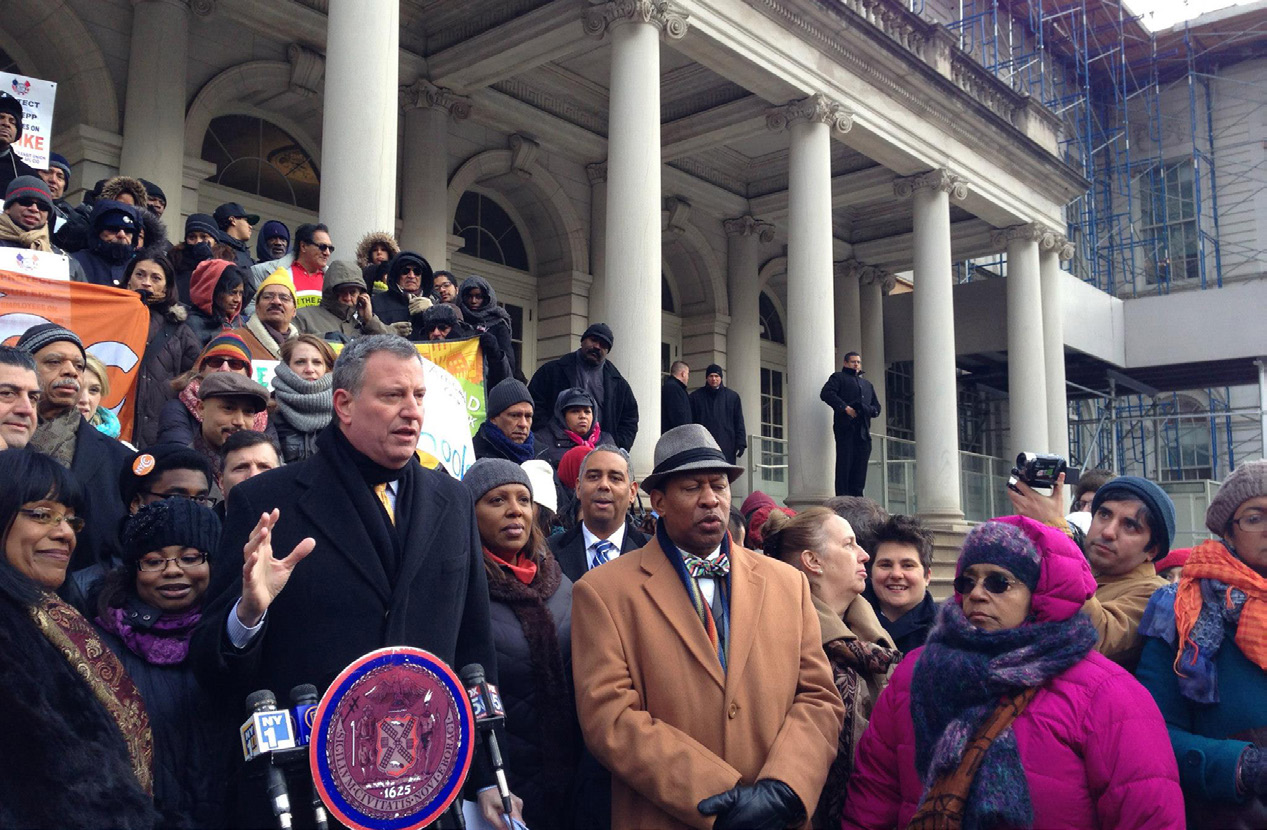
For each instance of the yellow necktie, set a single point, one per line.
(380, 490)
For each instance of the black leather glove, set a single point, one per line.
(1252, 771)
(765, 805)
(739, 452)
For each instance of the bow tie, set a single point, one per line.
(715, 568)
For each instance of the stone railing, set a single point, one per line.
(982, 85)
(894, 20)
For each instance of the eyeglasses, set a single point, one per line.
(1252, 523)
(46, 516)
(321, 246)
(284, 298)
(203, 500)
(219, 361)
(995, 583)
(1082, 505)
(152, 564)
(33, 203)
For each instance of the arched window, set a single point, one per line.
(667, 303)
(771, 323)
(489, 232)
(255, 156)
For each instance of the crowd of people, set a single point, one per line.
(666, 658)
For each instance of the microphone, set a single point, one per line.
(304, 700)
(486, 705)
(267, 728)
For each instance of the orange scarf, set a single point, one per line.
(1211, 560)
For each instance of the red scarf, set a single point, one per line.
(588, 443)
(523, 568)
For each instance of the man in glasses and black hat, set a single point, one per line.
(685, 691)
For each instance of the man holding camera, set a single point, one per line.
(1132, 523)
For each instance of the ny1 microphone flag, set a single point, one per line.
(392, 740)
(112, 323)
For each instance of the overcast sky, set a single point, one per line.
(1162, 14)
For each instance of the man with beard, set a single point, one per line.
(697, 705)
(112, 243)
(10, 131)
(273, 242)
(228, 403)
(719, 410)
(67, 437)
(589, 369)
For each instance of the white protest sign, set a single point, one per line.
(446, 431)
(44, 264)
(36, 97)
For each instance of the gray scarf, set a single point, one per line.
(308, 405)
(58, 437)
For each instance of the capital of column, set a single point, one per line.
(1059, 243)
(848, 269)
(939, 179)
(597, 172)
(817, 108)
(748, 225)
(659, 13)
(1030, 232)
(874, 274)
(422, 94)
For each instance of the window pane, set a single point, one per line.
(489, 232)
(255, 156)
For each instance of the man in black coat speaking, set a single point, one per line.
(392, 551)
(852, 399)
(589, 369)
(720, 411)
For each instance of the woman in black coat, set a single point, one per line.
(147, 608)
(573, 425)
(405, 299)
(480, 311)
(303, 392)
(170, 347)
(530, 610)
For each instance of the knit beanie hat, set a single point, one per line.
(488, 473)
(46, 334)
(201, 222)
(226, 344)
(28, 187)
(1161, 510)
(506, 394)
(272, 228)
(713, 369)
(602, 333)
(1245, 482)
(154, 191)
(570, 466)
(174, 521)
(147, 466)
(13, 107)
(1177, 558)
(279, 277)
(59, 161)
(1005, 545)
(542, 477)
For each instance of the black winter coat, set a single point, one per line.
(296, 445)
(176, 424)
(675, 404)
(171, 349)
(97, 463)
(204, 327)
(850, 388)
(63, 762)
(909, 631)
(619, 414)
(523, 749)
(721, 412)
(553, 442)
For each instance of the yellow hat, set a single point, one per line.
(279, 277)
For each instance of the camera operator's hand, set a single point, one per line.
(1050, 510)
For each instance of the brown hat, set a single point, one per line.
(231, 384)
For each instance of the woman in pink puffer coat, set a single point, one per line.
(1088, 747)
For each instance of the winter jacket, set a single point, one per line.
(909, 631)
(392, 306)
(205, 319)
(296, 445)
(241, 253)
(721, 412)
(619, 409)
(493, 324)
(553, 441)
(1208, 739)
(369, 240)
(331, 320)
(171, 349)
(176, 424)
(71, 228)
(1116, 609)
(849, 388)
(260, 341)
(105, 262)
(524, 759)
(675, 404)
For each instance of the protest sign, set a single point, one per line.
(36, 97)
(44, 264)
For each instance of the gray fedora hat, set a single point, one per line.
(687, 449)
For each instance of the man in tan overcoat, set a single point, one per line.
(701, 682)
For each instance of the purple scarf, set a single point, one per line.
(165, 643)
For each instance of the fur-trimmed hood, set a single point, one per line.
(369, 241)
(117, 186)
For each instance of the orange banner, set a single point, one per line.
(112, 323)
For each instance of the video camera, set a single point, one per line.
(1039, 471)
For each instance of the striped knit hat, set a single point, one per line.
(226, 344)
(45, 334)
(28, 187)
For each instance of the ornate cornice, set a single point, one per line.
(748, 225)
(817, 108)
(939, 179)
(865, 274)
(1059, 243)
(1030, 232)
(422, 94)
(597, 172)
(659, 13)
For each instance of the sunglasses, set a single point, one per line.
(995, 583)
(33, 203)
(217, 362)
(322, 247)
(411, 269)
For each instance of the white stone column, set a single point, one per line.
(937, 489)
(1027, 390)
(1054, 247)
(424, 204)
(631, 284)
(743, 337)
(154, 110)
(597, 173)
(358, 154)
(876, 283)
(848, 305)
(810, 293)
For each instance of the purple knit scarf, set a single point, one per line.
(165, 643)
(962, 675)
